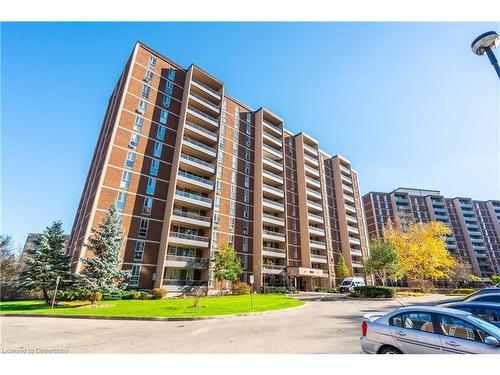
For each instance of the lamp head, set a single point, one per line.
(490, 39)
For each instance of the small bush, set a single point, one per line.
(373, 292)
(462, 291)
(72, 295)
(273, 289)
(324, 289)
(117, 295)
(495, 279)
(158, 293)
(239, 287)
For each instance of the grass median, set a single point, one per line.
(165, 308)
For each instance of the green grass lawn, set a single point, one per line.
(157, 308)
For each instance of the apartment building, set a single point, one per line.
(191, 168)
(475, 224)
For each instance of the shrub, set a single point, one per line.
(72, 295)
(158, 293)
(324, 289)
(373, 292)
(117, 295)
(495, 279)
(240, 287)
(462, 291)
(273, 289)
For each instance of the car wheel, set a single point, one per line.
(390, 350)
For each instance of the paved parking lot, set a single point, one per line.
(327, 324)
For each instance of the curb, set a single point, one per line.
(144, 318)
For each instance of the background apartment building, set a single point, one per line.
(191, 169)
(475, 224)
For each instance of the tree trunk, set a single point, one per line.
(46, 296)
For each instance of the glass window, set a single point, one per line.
(145, 91)
(248, 127)
(217, 203)
(249, 119)
(143, 105)
(234, 162)
(148, 205)
(222, 142)
(139, 121)
(169, 87)
(150, 188)
(233, 192)
(248, 141)
(488, 298)
(155, 166)
(143, 227)
(120, 201)
(247, 181)
(148, 76)
(236, 136)
(163, 116)
(246, 212)
(160, 133)
(232, 208)
(416, 321)
(171, 74)
(488, 314)
(245, 244)
(247, 167)
(231, 222)
(152, 61)
(157, 150)
(246, 196)
(235, 149)
(455, 327)
(218, 187)
(125, 181)
(134, 140)
(233, 177)
(246, 226)
(134, 275)
(129, 163)
(167, 100)
(139, 250)
(247, 155)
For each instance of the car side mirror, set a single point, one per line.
(490, 340)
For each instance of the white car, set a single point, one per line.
(349, 283)
(429, 330)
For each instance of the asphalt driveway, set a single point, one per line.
(327, 324)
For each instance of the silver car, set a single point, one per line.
(428, 330)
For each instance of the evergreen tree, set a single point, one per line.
(227, 265)
(101, 272)
(46, 261)
(341, 269)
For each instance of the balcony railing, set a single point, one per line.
(272, 268)
(273, 203)
(190, 215)
(311, 160)
(203, 114)
(193, 196)
(273, 189)
(197, 161)
(352, 218)
(313, 181)
(196, 178)
(310, 149)
(273, 176)
(347, 188)
(315, 205)
(350, 208)
(313, 171)
(315, 217)
(272, 217)
(273, 151)
(187, 236)
(345, 170)
(273, 163)
(318, 243)
(352, 229)
(354, 240)
(201, 129)
(275, 140)
(179, 282)
(273, 249)
(318, 257)
(192, 262)
(274, 127)
(313, 193)
(199, 144)
(207, 102)
(207, 87)
(272, 233)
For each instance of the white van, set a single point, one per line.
(349, 283)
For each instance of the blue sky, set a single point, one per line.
(407, 103)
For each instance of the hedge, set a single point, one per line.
(323, 289)
(273, 289)
(463, 291)
(373, 292)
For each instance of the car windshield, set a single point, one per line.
(491, 328)
(346, 282)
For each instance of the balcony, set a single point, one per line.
(272, 176)
(310, 160)
(316, 231)
(347, 188)
(438, 203)
(441, 210)
(401, 200)
(198, 146)
(272, 151)
(442, 217)
(201, 131)
(186, 262)
(189, 178)
(273, 252)
(314, 205)
(273, 164)
(356, 252)
(479, 247)
(273, 236)
(271, 219)
(476, 240)
(348, 198)
(352, 229)
(474, 233)
(272, 269)
(350, 208)
(470, 219)
(197, 163)
(355, 241)
(312, 182)
(193, 199)
(451, 246)
(207, 103)
(310, 149)
(273, 205)
(466, 205)
(272, 127)
(313, 193)
(316, 258)
(481, 255)
(206, 88)
(179, 238)
(315, 218)
(346, 179)
(356, 264)
(203, 116)
(352, 219)
(472, 226)
(345, 170)
(275, 141)
(311, 171)
(272, 190)
(176, 285)
(468, 212)
(182, 217)
(314, 244)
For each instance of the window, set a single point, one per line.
(233, 177)
(245, 243)
(157, 150)
(246, 226)
(224, 104)
(235, 149)
(217, 203)
(139, 250)
(223, 129)
(232, 208)
(233, 192)
(490, 314)
(247, 181)
(414, 320)
(454, 327)
(246, 212)
(120, 201)
(216, 218)
(247, 154)
(234, 162)
(489, 298)
(148, 205)
(145, 91)
(148, 76)
(143, 105)
(139, 121)
(125, 181)
(218, 187)
(134, 275)
(134, 140)
(222, 142)
(163, 116)
(169, 87)
(246, 196)
(236, 136)
(150, 188)
(248, 141)
(171, 74)
(160, 133)
(249, 120)
(247, 167)
(231, 223)
(143, 228)
(248, 128)
(220, 172)
(129, 163)
(155, 166)
(220, 158)
(152, 62)
(230, 239)
(167, 100)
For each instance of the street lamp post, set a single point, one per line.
(486, 43)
